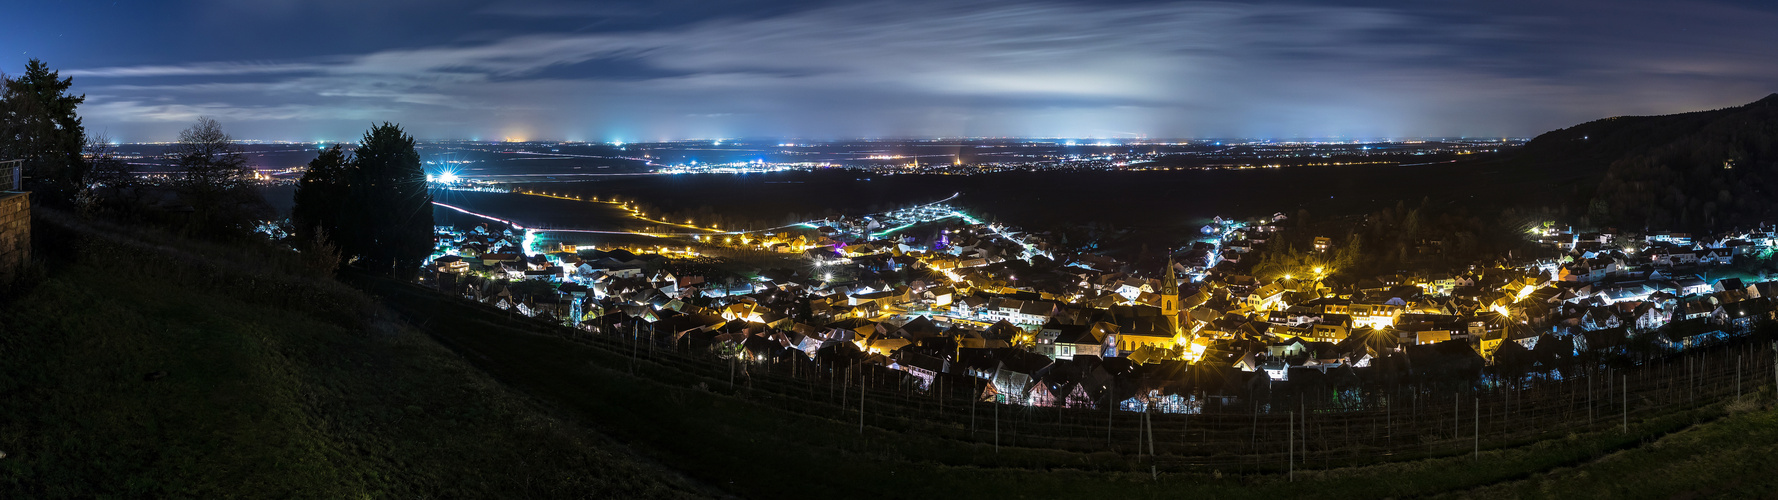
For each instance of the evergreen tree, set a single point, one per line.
(390, 227)
(321, 195)
(38, 124)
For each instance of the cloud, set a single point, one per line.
(199, 69)
(976, 68)
(187, 112)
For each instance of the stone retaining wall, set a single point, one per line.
(15, 234)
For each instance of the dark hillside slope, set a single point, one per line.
(1703, 170)
(145, 366)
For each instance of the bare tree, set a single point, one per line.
(110, 186)
(217, 182)
(105, 169)
(209, 159)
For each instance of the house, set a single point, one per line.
(1694, 308)
(451, 264)
(1276, 369)
(1674, 257)
(1265, 298)
(1690, 333)
(1647, 316)
(1097, 339)
(1744, 314)
(1691, 286)
(1715, 256)
(1763, 289)
(1054, 330)
(1331, 328)
(1600, 318)
(921, 366)
(1448, 359)
(1606, 341)
(1295, 346)
(940, 296)
(1017, 376)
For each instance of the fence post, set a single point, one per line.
(1150, 422)
(1141, 427)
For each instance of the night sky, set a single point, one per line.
(312, 70)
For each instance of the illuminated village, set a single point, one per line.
(931, 292)
(1241, 250)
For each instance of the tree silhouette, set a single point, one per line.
(322, 196)
(38, 124)
(215, 180)
(390, 223)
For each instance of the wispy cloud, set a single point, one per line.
(186, 112)
(198, 69)
(975, 68)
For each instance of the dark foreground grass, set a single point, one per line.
(122, 383)
(1734, 457)
(757, 450)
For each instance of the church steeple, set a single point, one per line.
(1169, 293)
(1169, 282)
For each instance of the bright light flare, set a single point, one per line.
(446, 177)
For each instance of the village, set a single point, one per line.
(933, 292)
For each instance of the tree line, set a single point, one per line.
(1700, 171)
(368, 206)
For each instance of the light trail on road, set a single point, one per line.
(516, 225)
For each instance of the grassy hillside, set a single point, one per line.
(147, 367)
(1729, 458)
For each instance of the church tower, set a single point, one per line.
(1169, 293)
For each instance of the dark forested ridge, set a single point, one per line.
(1705, 170)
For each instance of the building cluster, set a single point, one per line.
(934, 293)
(1074, 156)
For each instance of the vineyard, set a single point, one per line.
(1275, 432)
